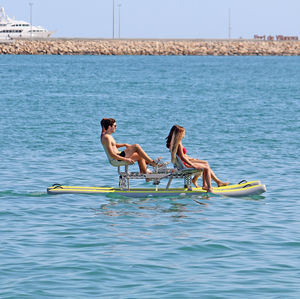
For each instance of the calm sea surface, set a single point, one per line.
(242, 114)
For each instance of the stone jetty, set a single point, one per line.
(198, 47)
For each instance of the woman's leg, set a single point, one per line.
(213, 176)
(194, 180)
(218, 181)
(206, 175)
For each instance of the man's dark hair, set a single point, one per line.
(107, 122)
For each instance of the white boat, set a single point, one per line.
(11, 28)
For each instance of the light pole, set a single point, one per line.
(119, 5)
(113, 19)
(30, 4)
(229, 23)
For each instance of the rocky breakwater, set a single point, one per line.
(149, 47)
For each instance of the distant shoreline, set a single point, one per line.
(196, 47)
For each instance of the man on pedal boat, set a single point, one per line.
(131, 153)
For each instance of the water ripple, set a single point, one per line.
(240, 113)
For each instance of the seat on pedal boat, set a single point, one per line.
(185, 172)
(116, 163)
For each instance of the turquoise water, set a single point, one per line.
(242, 114)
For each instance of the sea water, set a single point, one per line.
(242, 114)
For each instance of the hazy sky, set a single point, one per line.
(161, 18)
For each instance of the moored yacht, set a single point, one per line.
(11, 28)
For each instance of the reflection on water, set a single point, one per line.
(147, 206)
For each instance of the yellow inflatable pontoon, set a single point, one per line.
(238, 190)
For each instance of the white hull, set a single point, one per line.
(12, 29)
(8, 36)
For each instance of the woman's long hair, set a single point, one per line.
(173, 140)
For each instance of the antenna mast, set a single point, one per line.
(229, 23)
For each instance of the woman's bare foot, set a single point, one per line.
(207, 189)
(194, 181)
(222, 184)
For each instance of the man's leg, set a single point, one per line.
(142, 165)
(136, 152)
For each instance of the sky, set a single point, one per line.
(160, 18)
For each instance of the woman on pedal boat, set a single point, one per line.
(174, 144)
